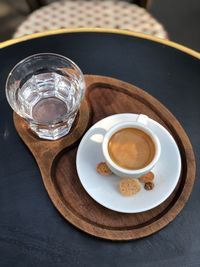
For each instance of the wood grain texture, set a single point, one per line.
(56, 160)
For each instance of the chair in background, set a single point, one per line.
(90, 14)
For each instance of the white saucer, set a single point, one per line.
(104, 189)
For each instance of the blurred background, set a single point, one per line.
(180, 19)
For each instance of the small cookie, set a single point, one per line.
(149, 186)
(103, 169)
(129, 187)
(148, 177)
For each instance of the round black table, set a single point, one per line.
(32, 232)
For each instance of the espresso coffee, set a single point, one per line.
(131, 148)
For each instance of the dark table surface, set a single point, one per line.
(32, 232)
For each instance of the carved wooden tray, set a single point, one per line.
(57, 162)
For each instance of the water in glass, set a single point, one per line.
(50, 97)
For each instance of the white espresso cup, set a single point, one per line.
(141, 123)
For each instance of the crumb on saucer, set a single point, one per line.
(148, 177)
(149, 186)
(103, 169)
(129, 187)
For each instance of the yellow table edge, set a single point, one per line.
(102, 30)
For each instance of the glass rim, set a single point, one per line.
(40, 55)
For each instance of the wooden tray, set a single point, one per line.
(56, 160)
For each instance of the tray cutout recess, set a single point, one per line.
(56, 159)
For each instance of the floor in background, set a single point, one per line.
(180, 18)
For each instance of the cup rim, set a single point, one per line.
(28, 58)
(131, 124)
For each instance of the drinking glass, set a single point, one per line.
(46, 90)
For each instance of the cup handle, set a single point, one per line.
(142, 119)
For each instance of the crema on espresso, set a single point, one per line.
(131, 148)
